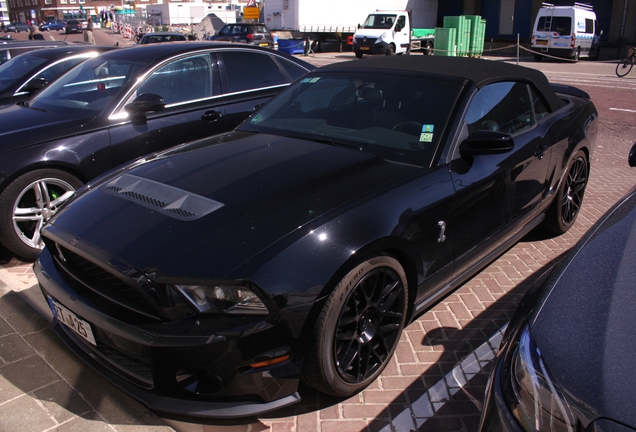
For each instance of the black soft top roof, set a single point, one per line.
(480, 72)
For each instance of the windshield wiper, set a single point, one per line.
(325, 141)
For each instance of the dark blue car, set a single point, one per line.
(52, 25)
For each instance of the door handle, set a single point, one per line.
(211, 116)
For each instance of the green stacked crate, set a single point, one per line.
(445, 42)
(482, 36)
(462, 29)
(474, 38)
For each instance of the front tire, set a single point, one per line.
(27, 203)
(567, 203)
(389, 50)
(358, 328)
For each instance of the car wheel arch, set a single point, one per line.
(54, 165)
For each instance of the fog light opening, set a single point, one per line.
(199, 382)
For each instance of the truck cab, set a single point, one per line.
(565, 31)
(383, 32)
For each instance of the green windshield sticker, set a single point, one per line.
(310, 80)
(428, 128)
(426, 137)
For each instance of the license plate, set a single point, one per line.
(542, 42)
(264, 44)
(70, 320)
(364, 48)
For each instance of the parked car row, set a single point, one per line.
(119, 106)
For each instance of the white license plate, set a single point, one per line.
(70, 320)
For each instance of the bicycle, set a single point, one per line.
(625, 66)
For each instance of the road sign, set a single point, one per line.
(251, 13)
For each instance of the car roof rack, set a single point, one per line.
(578, 5)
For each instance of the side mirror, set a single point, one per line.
(146, 102)
(632, 156)
(398, 28)
(359, 26)
(485, 142)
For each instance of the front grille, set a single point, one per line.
(140, 369)
(366, 42)
(104, 283)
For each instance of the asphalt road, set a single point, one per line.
(436, 380)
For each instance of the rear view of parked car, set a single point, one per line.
(257, 34)
(73, 26)
(159, 37)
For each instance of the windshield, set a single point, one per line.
(18, 67)
(92, 85)
(380, 21)
(397, 118)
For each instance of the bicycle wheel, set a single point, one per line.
(624, 67)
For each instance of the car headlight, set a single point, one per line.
(536, 400)
(380, 38)
(224, 298)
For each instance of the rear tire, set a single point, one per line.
(567, 203)
(358, 328)
(625, 66)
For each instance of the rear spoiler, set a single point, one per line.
(569, 90)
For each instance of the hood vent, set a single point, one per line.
(171, 201)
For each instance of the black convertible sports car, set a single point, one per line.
(209, 279)
(117, 107)
(566, 360)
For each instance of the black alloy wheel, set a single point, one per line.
(27, 203)
(567, 203)
(358, 328)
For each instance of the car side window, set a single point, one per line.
(249, 70)
(292, 70)
(181, 81)
(502, 106)
(52, 72)
(540, 105)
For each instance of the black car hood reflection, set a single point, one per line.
(586, 335)
(266, 187)
(22, 126)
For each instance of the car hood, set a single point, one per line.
(21, 126)
(585, 326)
(210, 206)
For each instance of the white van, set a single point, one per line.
(565, 31)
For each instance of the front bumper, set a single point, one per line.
(174, 371)
(556, 52)
(369, 46)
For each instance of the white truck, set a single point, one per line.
(321, 20)
(565, 31)
(390, 32)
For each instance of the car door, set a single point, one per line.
(498, 194)
(194, 108)
(250, 78)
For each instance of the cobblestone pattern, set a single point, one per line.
(435, 382)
